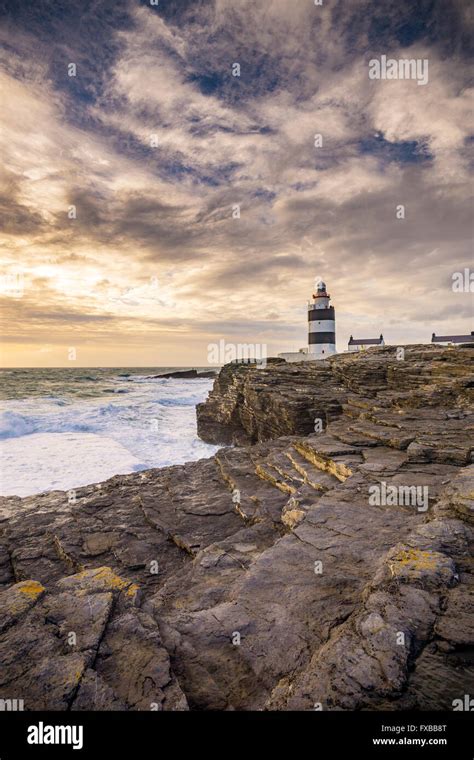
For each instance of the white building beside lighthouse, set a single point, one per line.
(321, 330)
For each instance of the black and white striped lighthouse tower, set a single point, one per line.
(321, 324)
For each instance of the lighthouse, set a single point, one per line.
(321, 325)
(321, 330)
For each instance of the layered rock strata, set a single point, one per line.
(299, 570)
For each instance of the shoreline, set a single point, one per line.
(76, 430)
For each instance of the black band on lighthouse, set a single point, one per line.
(322, 337)
(317, 314)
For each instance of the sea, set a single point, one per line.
(66, 428)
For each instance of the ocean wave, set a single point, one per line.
(178, 401)
(154, 422)
(56, 400)
(13, 425)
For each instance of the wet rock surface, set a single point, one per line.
(330, 569)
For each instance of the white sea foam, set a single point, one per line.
(60, 443)
(60, 461)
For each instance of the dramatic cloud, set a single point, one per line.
(209, 160)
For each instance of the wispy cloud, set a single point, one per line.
(155, 191)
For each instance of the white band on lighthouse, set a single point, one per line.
(324, 325)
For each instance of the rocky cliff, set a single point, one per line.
(324, 562)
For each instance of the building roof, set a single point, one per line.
(453, 338)
(365, 341)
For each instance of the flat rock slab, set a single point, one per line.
(85, 632)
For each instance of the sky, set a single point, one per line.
(163, 188)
